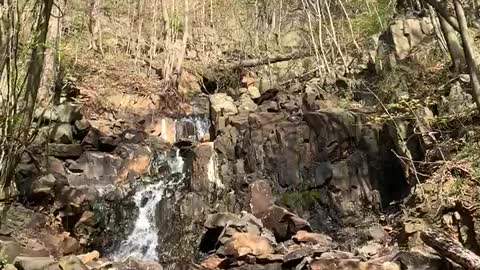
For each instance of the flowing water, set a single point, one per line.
(142, 241)
(167, 172)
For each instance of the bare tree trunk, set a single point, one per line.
(453, 44)
(94, 26)
(51, 65)
(469, 53)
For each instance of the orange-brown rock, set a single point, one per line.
(312, 238)
(89, 257)
(211, 263)
(242, 244)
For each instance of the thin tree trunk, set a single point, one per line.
(469, 53)
(35, 65)
(453, 44)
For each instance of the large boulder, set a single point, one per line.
(60, 150)
(9, 250)
(241, 244)
(96, 168)
(221, 106)
(71, 263)
(36, 263)
(66, 112)
(62, 133)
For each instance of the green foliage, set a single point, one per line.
(373, 16)
(300, 199)
(3, 261)
(471, 153)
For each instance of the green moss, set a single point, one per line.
(300, 199)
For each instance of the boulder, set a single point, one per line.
(71, 263)
(369, 250)
(91, 140)
(82, 127)
(9, 267)
(97, 168)
(312, 238)
(53, 165)
(62, 133)
(246, 104)
(297, 253)
(133, 136)
(269, 106)
(221, 220)
(283, 223)
(261, 198)
(222, 105)
(36, 263)
(212, 262)
(65, 150)
(66, 112)
(242, 244)
(89, 257)
(136, 160)
(107, 143)
(421, 260)
(377, 233)
(253, 92)
(69, 245)
(43, 186)
(9, 250)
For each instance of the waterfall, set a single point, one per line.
(142, 241)
(166, 173)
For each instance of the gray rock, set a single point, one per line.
(10, 267)
(369, 250)
(67, 112)
(269, 106)
(36, 263)
(71, 263)
(377, 233)
(43, 186)
(253, 92)
(9, 250)
(222, 105)
(65, 150)
(221, 220)
(421, 260)
(246, 104)
(91, 140)
(62, 133)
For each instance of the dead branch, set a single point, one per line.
(451, 249)
(266, 60)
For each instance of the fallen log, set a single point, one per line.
(451, 249)
(266, 60)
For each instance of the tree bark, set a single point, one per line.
(51, 62)
(35, 66)
(452, 250)
(443, 12)
(94, 26)
(469, 52)
(454, 46)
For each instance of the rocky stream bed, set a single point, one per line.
(244, 180)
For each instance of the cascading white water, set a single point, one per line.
(143, 240)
